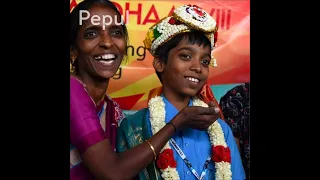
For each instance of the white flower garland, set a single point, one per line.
(216, 135)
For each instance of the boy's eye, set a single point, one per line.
(185, 56)
(206, 62)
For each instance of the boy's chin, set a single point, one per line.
(190, 92)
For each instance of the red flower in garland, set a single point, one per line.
(166, 159)
(220, 153)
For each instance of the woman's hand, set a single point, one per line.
(196, 117)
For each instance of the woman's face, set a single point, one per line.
(100, 44)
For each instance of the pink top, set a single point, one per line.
(85, 127)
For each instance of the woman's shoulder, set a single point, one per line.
(119, 116)
(75, 81)
(76, 85)
(113, 102)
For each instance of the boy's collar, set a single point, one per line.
(167, 101)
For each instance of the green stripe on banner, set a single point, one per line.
(221, 90)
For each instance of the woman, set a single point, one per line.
(96, 52)
(235, 105)
(181, 45)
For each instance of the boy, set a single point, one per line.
(181, 45)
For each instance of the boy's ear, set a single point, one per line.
(158, 64)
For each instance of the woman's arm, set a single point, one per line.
(104, 163)
(97, 153)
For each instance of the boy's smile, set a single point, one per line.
(187, 68)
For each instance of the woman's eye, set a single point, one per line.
(90, 34)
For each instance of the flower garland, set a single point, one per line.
(166, 162)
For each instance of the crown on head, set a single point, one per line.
(184, 19)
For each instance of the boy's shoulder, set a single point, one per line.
(225, 127)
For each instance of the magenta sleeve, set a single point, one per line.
(85, 128)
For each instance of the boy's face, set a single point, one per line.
(187, 68)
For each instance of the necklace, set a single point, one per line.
(166, 162)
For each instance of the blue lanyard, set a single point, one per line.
(184, 158)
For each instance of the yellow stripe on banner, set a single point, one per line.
(142, 86)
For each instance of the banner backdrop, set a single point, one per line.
(134, 79)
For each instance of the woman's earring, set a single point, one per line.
(72, 65)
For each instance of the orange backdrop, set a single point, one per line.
(130, 86)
